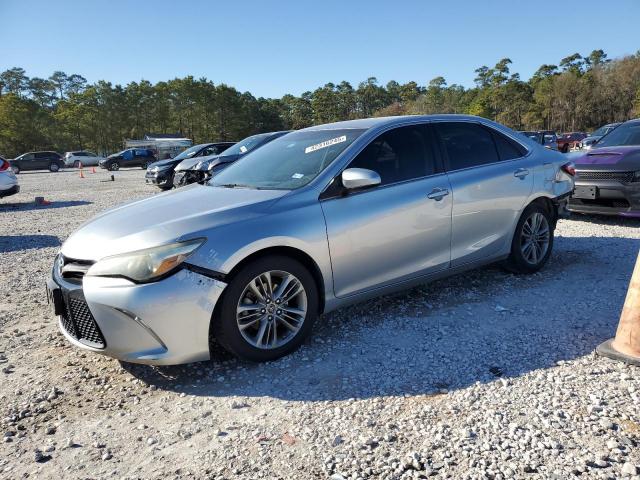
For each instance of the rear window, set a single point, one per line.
(507, 148)
(467, 144)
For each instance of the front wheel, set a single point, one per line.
(532, 241)
(54, 167)
(16, 169)
(267, 310)
(114, 166)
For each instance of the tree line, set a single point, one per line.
(65, 112)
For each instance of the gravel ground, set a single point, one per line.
(483, 375)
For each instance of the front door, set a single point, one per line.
(395, 231)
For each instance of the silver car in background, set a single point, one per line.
(316, 219)
(8, 180)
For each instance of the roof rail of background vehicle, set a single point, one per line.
(367, 123)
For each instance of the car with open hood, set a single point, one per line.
(161, 173)
(608, 175)
(315, 219)
(197, 170)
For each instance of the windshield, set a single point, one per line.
(190, 152)
(246, 145)
(288, 162)
(625, 134)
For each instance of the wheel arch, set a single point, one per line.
(292, 252)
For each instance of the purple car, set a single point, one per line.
(608, 176)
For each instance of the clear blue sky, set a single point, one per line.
(273, 48)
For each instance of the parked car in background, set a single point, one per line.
(608, 176)
(313, 220)
(160, 173)
(51, 161)
(131, 157)
(8, 180)
(194, 170)
(546, 138)
(81, 157)
(588, 142)
(568, 142)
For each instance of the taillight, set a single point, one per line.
(4, 165)
(569, 168)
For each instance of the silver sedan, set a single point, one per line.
(317, 219)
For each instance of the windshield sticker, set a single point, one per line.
(297, 175)
(243, 149)
(325, 144)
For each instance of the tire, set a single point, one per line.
(530, 256)
(145, 165)
(76, 164)
(16, 169)
(54, 167)
(277, 339)
(114, 166)
(565, 148)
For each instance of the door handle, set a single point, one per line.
(438, 194)
(521, 173)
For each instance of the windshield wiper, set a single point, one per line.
(233, 185)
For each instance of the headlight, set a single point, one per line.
(203, 166)
(148, 264)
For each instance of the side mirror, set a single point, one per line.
(354, 178)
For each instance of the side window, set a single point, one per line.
(42, 155)
(28, 157)
(400, 154)
(467, 144)
(507, 148)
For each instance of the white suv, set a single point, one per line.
(84, 157)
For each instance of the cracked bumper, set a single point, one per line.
(161, 323)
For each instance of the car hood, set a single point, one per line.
(185, 213)
(164, 163)
(188, 163)
(610, 158)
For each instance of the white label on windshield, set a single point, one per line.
(243, 149)
(297, 175)
(325, 144)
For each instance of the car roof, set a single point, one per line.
(367, 123)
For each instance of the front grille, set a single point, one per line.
(73, 270)
(624, 177)
(80, 324)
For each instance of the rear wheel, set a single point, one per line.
(267, 310)
(54, 167)
(532, 241)
(16, 169)
(114, 166)
(76, 164)
(145, 165)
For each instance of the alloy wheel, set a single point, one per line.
(534, 241)
(271, 309)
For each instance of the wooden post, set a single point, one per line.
(626, 345)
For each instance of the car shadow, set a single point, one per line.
(16, 243)
(449, 334)
(25, 206)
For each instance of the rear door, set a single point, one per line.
(395, 231)
(491, 178)
(42, 160)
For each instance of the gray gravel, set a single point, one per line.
(483, 375)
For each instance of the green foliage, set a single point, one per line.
(63, 112)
